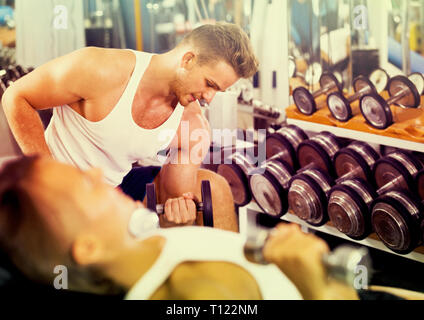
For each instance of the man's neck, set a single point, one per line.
(132, 264)
(155, 88)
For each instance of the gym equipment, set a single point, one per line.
(376, 110)
(305, 101)
(351, 203)
(355, 161)
(340, 265)
(341, 107)
(353, 166)
(307, 196)
(417, 79)
(319, 151)
(286, 141)
(236, 170)
(269, 187)
(380, 78)
(205, 206)
(397, 217)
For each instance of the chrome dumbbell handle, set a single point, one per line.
(160, 208)
(403, 93)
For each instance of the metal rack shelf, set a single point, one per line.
(359, 135)
(417, 255)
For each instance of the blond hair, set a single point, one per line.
(227, 42)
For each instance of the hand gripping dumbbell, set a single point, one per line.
(236, 170)
(376, 110)
(305, 101)
(341, 264)
(341, 107)
(285, 142)
(394, 178)
(204, 207)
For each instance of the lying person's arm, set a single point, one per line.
(299, 256)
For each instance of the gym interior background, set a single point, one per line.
(340, 81)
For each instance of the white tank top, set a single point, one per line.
(116, 142)
(201, 245)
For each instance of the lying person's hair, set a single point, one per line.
(28, 240)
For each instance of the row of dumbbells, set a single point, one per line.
(404, 92)
(325, 178)
(7, 56)
(10, 75)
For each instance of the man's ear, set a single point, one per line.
(188, 60)
(87, 250)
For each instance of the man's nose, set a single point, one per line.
(209, 95)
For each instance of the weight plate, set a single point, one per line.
(277, 144)
(207, 204)
(376, 111)
(348, 212)
(400, 83)
(361, 83)
(380, 78)
(418, 79)
(329, 80)
(419, 179)
(151, 197)
(238, 182)
(304, 101)
(397, 169)
(396, 220)
(339, 106)
(348, 162)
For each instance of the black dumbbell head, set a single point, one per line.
(304, 101)
(399, 83)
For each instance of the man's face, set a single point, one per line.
(201, 82)
(86, 203)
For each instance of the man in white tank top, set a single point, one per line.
(82, 224)
(113, 108)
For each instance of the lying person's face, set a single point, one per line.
(85, 203)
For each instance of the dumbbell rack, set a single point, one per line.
(372, 241)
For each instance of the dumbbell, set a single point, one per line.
(353, 201)
(205, 206)
(236, 170)
(319, 151)
(417, 79)
(270, 188)
(340, 265)
(269, 185)
(309, 189)
(380, 78)
(376, 110)
(285, 141)
(341, 107)
(305, 101)
(352, 163)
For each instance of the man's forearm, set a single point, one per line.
(25, 124)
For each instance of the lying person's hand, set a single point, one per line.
(299, 256)
(179, 211)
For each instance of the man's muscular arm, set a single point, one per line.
(65, 80)
(179, 175)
